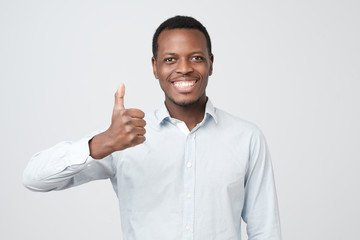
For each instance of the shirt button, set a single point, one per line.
(188, 164)
(188, 195)
(187, 227)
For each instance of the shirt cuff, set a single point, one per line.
(79, 153)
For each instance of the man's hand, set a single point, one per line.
(126, 129)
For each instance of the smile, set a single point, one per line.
(184, 86)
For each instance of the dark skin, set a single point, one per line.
(127, 129)
(183, 66)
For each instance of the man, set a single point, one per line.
(199, 170)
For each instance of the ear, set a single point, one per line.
(153, 62)
(211, 64)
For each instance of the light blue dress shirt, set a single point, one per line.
(177, 185)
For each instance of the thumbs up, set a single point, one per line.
(127, 129)
(127, 125)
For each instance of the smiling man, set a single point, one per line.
(198, 172)
(183, 63)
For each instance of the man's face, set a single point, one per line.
(183, 66)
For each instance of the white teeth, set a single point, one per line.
(181, 84)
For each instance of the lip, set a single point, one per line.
(185, 78)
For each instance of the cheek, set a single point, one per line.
(164, 72)
(204, 71)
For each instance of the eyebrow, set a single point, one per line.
(170, 53)
(198, 52)
(192, 53)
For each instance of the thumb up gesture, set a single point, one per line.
(126, 129)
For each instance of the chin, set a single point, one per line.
(185, 102)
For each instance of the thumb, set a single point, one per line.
(119, 97)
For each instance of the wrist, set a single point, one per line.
(100, 146)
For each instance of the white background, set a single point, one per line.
(291, 67)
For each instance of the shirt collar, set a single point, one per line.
(162, 113)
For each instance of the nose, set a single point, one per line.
(184, 67)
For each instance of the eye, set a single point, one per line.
(198, 58)
(169, 60)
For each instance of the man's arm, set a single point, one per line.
(65, 165)
(260, 210)
(69, 164)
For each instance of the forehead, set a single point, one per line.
(179, 40)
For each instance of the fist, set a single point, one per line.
(127, 125)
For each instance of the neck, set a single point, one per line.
(191, 114)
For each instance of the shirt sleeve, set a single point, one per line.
(260, 210)
(66, 165)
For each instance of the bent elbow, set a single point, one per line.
(34, 184)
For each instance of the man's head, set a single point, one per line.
(184, 22)
(182, 61)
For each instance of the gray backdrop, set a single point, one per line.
(291, 67)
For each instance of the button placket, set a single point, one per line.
(189, 187)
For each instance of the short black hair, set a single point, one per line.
(180, 22)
